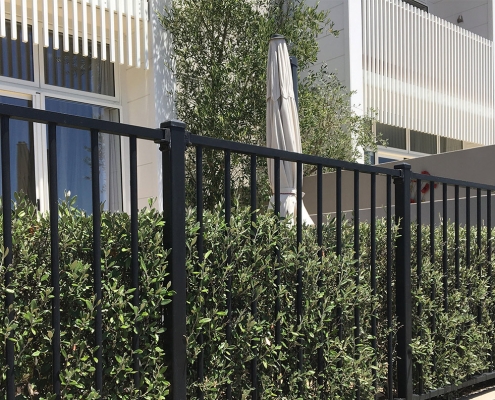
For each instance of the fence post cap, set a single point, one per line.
(173, 123)
(402, 166)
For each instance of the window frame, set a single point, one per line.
(38, 90)
(39, 72)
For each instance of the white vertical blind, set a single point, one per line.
(75, 30)
(112, 31)
(66, 24)
(24, 21)
(56, 16)
(13, 19)
(55, 25)
(426, 74)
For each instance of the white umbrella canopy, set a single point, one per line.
(282, 127)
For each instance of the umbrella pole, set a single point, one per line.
(293, 67)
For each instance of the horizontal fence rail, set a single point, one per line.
(408, 268)
(427, 74)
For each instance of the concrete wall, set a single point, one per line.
(474, 165)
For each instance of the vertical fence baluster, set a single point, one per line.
(489, 261)
(299, 294)
(456, 237)
(390, 336)
(319, 234)
(478, 245)
(468, 234)
(7, 244)
(445, 266)
(433, 293)
(199, 247)
(338, 250)
(357, 271)
(419, 272)
(457, 244)
(228, 202)
(403, 282)
(95, 192)
(134, 253)
(468, 228)
(373, 275)
(254, 303)
(276, 208)
(174, 238)
(54, 251)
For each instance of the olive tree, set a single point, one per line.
(220, 52)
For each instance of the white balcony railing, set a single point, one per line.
(123, 24)
(426, 74)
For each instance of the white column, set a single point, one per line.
(355, 59)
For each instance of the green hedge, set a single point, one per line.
(31, 327)
(459, 347)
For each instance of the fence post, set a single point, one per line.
(174, 237)
(403, 281)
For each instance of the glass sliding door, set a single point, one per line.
(74, 157)
(22, 173)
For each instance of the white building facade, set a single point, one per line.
(54, 59)
(427, 67)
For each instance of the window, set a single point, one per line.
(17, 56)
(382, 160)
(74, 157)
(69, 83)
(447, 144)
(417, 4)
(423, 142)
(395, 136)
(22, 174)
(74, 71)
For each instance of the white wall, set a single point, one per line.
(475, 13)
(333, 49)
(147, 100)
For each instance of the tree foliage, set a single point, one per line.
(219, 59)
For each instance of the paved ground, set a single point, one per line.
(485, 394)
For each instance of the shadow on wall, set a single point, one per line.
(472, 165)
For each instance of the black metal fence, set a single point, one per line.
(173, 141)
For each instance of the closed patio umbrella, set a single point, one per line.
(282, 127)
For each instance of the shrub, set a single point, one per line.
(240, 262)
(31, 329)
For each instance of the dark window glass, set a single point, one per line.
(74, 157)
(369, 157)
(447, 144)
(17, 56)
(395, 136)
(417, 4)
(423, 142)
(74, 71)
(22, 177)
(382, 160)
